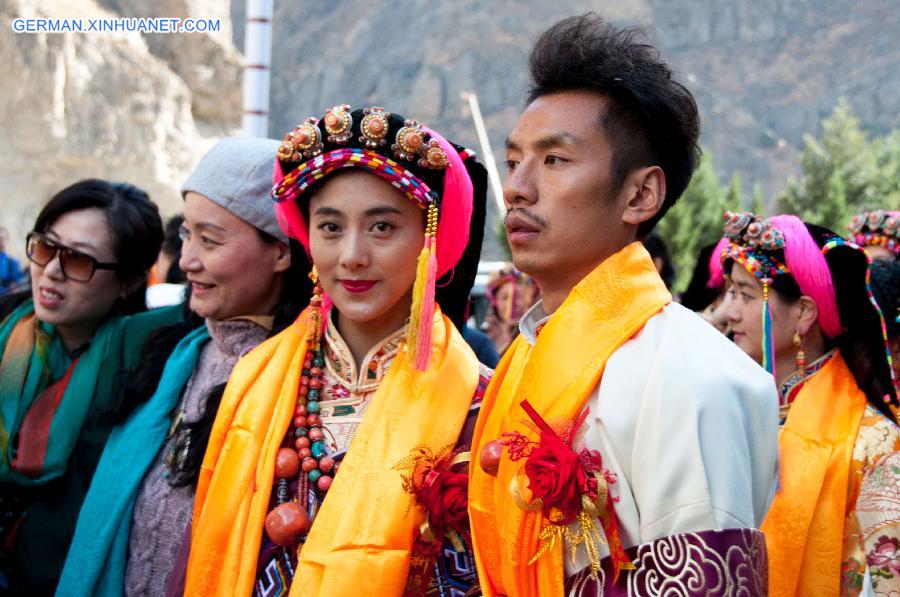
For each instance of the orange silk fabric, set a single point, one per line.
(805, 524)
(557, 375)
(362, 536)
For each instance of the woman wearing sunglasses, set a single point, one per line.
(61, 345)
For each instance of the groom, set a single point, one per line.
(616, 413)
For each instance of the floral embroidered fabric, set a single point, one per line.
(872, 527)
(347, 392)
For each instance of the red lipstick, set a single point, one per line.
(357, 286)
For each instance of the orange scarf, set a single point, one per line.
(556, 375)
(362, 536)
(805, 525)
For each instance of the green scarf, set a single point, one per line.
(45, 395)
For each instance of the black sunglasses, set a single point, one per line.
(74, 264)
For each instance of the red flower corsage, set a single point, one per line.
(439, 482)
(568, 487)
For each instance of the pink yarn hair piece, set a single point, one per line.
(288, 213)
(716, 275)
(807, 264)
(455, 209)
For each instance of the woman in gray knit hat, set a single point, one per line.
(246, 283)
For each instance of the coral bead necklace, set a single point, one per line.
(304, 455)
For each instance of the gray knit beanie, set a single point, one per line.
(237, 174)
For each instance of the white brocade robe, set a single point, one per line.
(689, 425)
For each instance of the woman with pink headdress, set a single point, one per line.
(803, 309)
(510, 293)
(337, 461)
(878, 232)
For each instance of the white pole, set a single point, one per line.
(258, 56)
(489, 163)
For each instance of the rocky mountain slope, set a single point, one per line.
(764, 72)
(123, 106)
(143, 108)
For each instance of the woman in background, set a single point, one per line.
(510, 293)
(878, 232)
(803, 310)
(62, 343)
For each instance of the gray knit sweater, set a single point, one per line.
(162, 512)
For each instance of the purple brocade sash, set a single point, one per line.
(730, 562)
